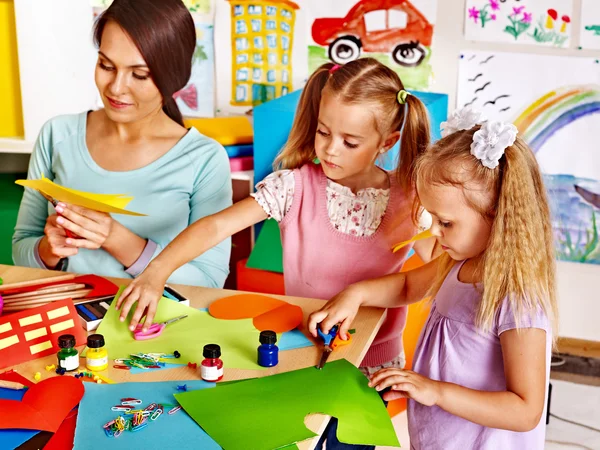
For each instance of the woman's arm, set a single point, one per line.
(518, 408)
(390, 291)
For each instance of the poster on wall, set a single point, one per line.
(197, 98)
(532, 22)
(396, 32)
(589, 33)
(259, 54)
(555, 103)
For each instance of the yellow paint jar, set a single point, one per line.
(96, 358)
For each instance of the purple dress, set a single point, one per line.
(452, 349)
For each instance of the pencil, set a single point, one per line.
(11, 385)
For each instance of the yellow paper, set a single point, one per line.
(108, 203)
(423, 235)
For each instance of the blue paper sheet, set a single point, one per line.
(10, 439)
(168, 431)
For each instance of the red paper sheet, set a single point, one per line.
(33, 333)
(65, 435)
(12, 375)
(267, 313)
(44, 406)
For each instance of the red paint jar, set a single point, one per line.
(211, 368)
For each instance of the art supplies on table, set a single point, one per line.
(154, 330)
(79, 288)
(268, 412)
(91, 313)
(211, 368)
(268, 352)
(96, 358)
(34, 333)
(67, 356)
(171, 429)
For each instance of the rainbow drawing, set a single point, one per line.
(555, 110)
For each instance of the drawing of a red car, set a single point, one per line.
(384, 26)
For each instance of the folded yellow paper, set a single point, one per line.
(108, 203)
(423, 235)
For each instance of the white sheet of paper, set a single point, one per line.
(555, 103)
(589, 31)
(532, 22)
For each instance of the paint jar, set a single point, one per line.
(68, 356)
(96, 358)
(211, 368)
(268, 352)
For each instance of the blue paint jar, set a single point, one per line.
(268, 352)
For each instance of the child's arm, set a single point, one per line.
(202, 235)
(390, 291)
(518, 408)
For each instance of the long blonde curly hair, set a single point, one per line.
(519, 262)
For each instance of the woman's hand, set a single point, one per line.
(406, 384)
(53, 246)
(340, 309)
(146, 290)
(92, 228)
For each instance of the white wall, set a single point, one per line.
(578, 284)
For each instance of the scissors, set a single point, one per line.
(332, 341)
(155, 329)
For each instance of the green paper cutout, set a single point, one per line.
(268, 413)
(238, 338)
(267, 253)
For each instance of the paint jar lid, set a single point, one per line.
(95, 341)
(268, 337)
(66, 341)
(211, 351)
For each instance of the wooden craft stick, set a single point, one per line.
(22, 284)
(47, 290)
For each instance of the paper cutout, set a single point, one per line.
(44, 406)
(63, 438)
(168, 431)
(269, 412)
(13, 438)
(267, 253)
(16, 377)
(238, 339)
(267, 313)
(422, 235)
(15, 348)
(108, 203)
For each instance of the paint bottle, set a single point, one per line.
(268, 352)
(68, 356)
(211, 368)
(96, 356)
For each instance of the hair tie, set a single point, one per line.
(334, 68)
(401, 96)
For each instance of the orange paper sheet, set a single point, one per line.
(267, 313)
(108, 203)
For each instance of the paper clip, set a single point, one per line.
(118, 433)
(121, 366)
(121, 408)
(156, 414)
(134, 411)
(108, 424)
(109, 432)
(174, 410)
(140, 426)
(131, 401)
(150, 407)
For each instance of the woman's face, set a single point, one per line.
(123, 79)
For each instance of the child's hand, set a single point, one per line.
(340, 309)
(407, 384)
(146, 290)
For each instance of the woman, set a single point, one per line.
(137, 145)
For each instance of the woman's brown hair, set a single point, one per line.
(363, 81)
(164, 33)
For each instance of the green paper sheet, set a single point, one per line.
(238, 338)
(267, 253)
(268, 413)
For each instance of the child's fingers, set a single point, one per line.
(390, 382)
(394, 395)
(383, 374)
(137, 315)
(131, 299)
(125, 294)
(344, 327)
(150, 315)
(314, 320)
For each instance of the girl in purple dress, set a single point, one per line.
(482, 363)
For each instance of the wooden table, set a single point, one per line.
(367, 324)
